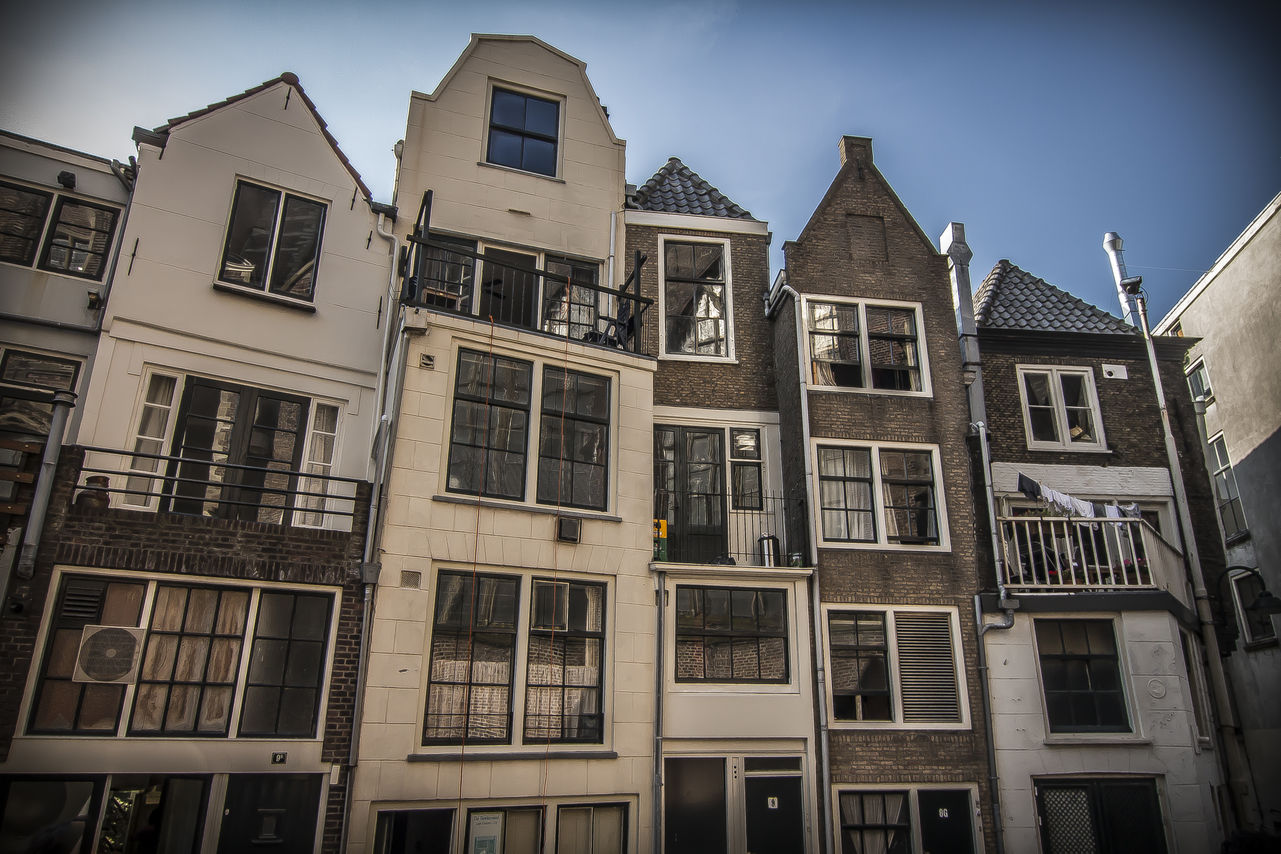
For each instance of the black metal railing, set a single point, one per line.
(706, 528)
(450, 275)
(202, 486)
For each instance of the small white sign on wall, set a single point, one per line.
(1115, 372)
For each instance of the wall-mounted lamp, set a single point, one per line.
(1132, 285)
(67, 180)
(1266, 603)
(95, 300)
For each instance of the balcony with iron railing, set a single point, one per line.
(693, 527)
(1052, 554)
(445, 274)
(209, 487)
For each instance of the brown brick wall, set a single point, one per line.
(748, 384)
(843, 252)
(192, 546)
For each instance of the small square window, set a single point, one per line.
(851, 479)
(523, 132)
(273, 242)
(1060, 408)
(1199, 383)
(861, 346)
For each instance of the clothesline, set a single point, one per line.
(1076, 507)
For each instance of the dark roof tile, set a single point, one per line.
(678, 189)
(1011, 298)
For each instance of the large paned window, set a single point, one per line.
(878, 495)
(907, 820)
(473, 682)
(1081, 676)
(695, 300)
(75, 240)
(864, 346)
(273, 242)
(1256, 626)
(593, 829)
(490, 426)
(1060, 408)
(170, 659)
(895, 667)
(1225, 490)
(523, 132)
(473, 650)
(731, 634)
(566, 650)
(573, 444)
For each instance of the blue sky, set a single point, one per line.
(1040, 126)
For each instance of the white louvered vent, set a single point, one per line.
(926, 667)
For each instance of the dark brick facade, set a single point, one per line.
(861, 243)
(193, 546)
(749, 382)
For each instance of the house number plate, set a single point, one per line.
(772, 803)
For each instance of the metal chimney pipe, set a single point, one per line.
(1129, 304)
(952, 244)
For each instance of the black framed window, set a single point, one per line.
(860, 666)
(694, 299)
(62, 704)
(875, 821)
(745, 468)
(1109, 815)
(448, 276)
(731, 634)
(79, 239)
(1256, 626)
(573, 443)
(835, 346)
(1081, 676)
(892, 348)
(23, 211)
(523, 132)
(273, 241)
(907, 486)
(570, 308)
(473, 648)
(490, 427)
(192, 661)
(563, 679)
(26, 379)
(286, 665)
(845, 494)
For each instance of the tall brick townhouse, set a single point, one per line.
(1105, 731)
(180, 656)
(874, 420)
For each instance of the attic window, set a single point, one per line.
(523, 132)
(273, 246)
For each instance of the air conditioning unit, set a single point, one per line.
(109, 654)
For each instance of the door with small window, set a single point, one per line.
(734, 804)
(1107, 816)
(689, 492)
(270, 812)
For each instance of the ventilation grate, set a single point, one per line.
(411, 578)
(81, 601)
(926, 667)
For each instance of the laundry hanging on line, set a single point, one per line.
(1075, 507)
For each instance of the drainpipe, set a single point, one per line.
(772, 301)
(657, 807)
(1235, 759)
(62, 403)
(381, 451)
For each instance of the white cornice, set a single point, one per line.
(659, 219)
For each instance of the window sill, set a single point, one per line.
(516, 171)
(896, 726)
(1257, 645)
(943, 548)
(475, 754)
(288, 302)
(691, 357)
(543, 509)
(62, 274)
(738, 689)
(1067, 739)
(1237, 538)
(887, 392)
(1068, 449)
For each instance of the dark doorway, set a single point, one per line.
(1108, 816)
(947, 821)
(275, 812)
(694, 817)
(414, 832)
(689, 492)
(775, 815)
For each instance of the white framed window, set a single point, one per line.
(1226, 496)
(1082, 677)
(516, 660)
(56, 232)
(907, 818)
(498, 403)
(1256, 627)
(273, 241)
(1199, 381)
(878, 346)
(1194, 659)
(180, 658)
(695, 299)
(895, 668)
(1060, 408)
(872, 495)
(524, 129)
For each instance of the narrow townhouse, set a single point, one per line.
(873, 411)
(187, 644)
(510, 686)
(1103, 726)
(737, 762)
(1232, 367)
(61, 213)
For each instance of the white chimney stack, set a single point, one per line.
(1129, 303)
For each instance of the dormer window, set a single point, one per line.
(523, 132)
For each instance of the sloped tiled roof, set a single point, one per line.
(291, 79)
(1011, 298)
(678, 189)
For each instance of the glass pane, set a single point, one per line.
(249, 235)
(298, 248)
